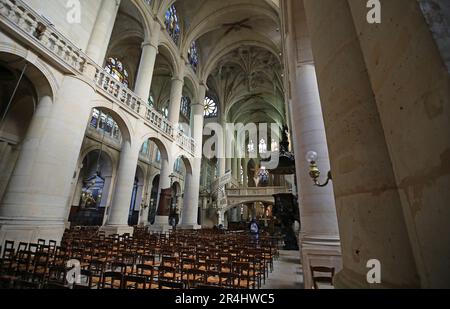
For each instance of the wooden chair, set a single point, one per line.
(57, 273)
(112, 280)
(326, 276)
(97, 269)
(8, 256)
(170, 285)
(51, 285)
(40, 265)
(149, 272)
(193, 277)
(133, 282)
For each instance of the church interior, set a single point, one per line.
(239, 144)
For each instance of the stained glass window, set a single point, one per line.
(211, 109)
(186, 107)
(193, 56)
(151, 100)
(165, 112)
(177, 167)
(173, 24)
(105, 124)
(158, 156)
(116, 68)
(145, 148)
(262, 146)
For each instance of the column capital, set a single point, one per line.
(178, 78)
(150, 43)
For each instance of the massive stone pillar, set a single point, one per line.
(36, 199)
(147, 65)
(176, 94)
(413, 102)
(118, 215)
(319, 237)
(368, 204)
(102, 31)
(192, 185)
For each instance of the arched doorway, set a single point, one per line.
(92, 191)
(22, 89)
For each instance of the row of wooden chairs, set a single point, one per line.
(186, 260)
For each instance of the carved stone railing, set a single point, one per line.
(117, 90)
(255, 192)
(19, 16)
(247, 195)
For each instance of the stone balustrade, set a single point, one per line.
(24, 20)
(39, 30)
(260, 191)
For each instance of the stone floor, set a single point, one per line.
(288, 273)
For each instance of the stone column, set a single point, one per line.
(102, 31)
(319, 237)
(192, 185)
(37, 197)
(191, 199)
(415, 120)
(245, 184)
(146, 66)
(119, 212)
(369, 210)
(176, 93)
(233, 168)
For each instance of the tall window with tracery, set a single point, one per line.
(151, 101)
(193, 56)
(211, 108)
(173, 24)
(186, 107)
(116, 68)
(105, 124)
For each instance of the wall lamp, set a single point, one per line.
(314, 171)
